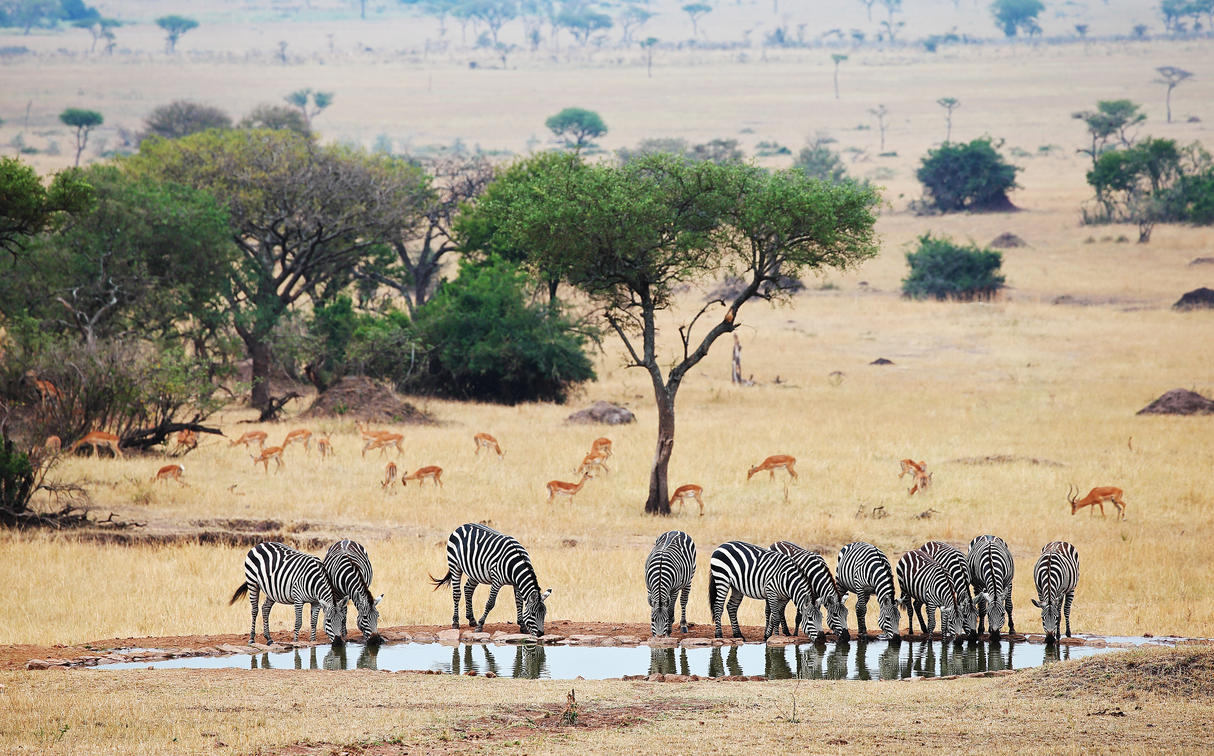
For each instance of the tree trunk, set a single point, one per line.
(658, 502)
(259, 351)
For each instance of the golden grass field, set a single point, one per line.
(1025, 376)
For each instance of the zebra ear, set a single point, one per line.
(378, 599)
(1035, 603)
(544, 596)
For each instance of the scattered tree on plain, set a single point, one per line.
(182, 118)
(943, 269)
(837, 58)
(879, 113)
(818, 161)
(1171, 76)
(84, 121)
(577, 127)
(319, 101)
(949, 104)
(631, 18)
(648, 45)
(969, 176)
(1111, 119)
(1015, 16)
(99, 28)
(174, 26)
(696, 11)
(276, 117)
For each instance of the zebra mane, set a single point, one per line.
(366, 590)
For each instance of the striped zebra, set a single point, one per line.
(487, 556)
(287, 576)
(991, 571)
(1056, 576)
(349, 571)
(742, 569)
(864, 570)
(668, 573)
(822, 586)
(923, 580)
(953, 562)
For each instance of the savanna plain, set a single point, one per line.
(1008, 401)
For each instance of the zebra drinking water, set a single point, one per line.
(923, 580)
(991, 571)
(953, 562)
(349, 571)
(823, 587)
(864, 570)
(742, 569)
(668, 572)
(487, 556)
(1056, 575)
(287, 576)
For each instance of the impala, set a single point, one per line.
(601, 446)
(95, 439)
(250, 437)
(683, 493)
(912, 467)
(299, 434)
(593, 461)
(773, 463)
(389, 474)
(324, 445)
(185, 439)
(267, 454)
(922, 481)
(430, 471)
(1096, 498)
(488, 443)
(560, 488)
(46, 389)
(53, 444)
(170, 472)
(383, 441)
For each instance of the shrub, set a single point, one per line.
(819, 161)
(967, 177)
(943, 269)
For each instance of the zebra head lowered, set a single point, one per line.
(889, 618)
(535, 611)
(1051, 615)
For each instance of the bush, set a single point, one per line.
(483, 340)
(967, 177)
(943, 269)
(819, 161)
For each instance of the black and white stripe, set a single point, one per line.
(487, 556)
(669, 569)
(742, 569)
(822, 587)
(923, 580)
(1056, 575)
(991, 571)
(349, 571)
(953, 562)
(864, 570)
(287, 576)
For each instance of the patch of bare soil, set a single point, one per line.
(1007, 240)
(1182, 672)
(1004, 459)
(359, 397)
(1196, 299)
(1179, 402)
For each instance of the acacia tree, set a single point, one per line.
(837, 58)
(578, 127)
(320, 101)
(1170, 76)
(1013, 16)
(696, 11)
(1111, 118)
(83, 121)
(28, 207)
(949, 104)
(628, 236)
(301, 215)
(174, 26)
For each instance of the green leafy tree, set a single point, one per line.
(492, 13)
(99, 28)
(630, 19)
(627, 236)
(276, 117)
(174, 26)
(949, 104)
(943, 269)
(1132, 184)
(28, 207)
(577, 127)
(83, 121)
(582, 21)
(302, 216)
(310, 103)
(715, 150)
(696, 11)
(26, 14)
(182, 118)
(1015, 16)
(969, 176)
(1111, 119)
(818, 161)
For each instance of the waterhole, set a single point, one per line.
(875, 660)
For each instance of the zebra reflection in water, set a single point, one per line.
(468, 662)
(530, 661)
(887, 662)
(809, 662)
(662, 661)
(311, 660)
(721, 665)
(1057, 652)
(337, 658)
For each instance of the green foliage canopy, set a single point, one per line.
(578, 127)
(943, 269)
(971, 176)
(27, 207)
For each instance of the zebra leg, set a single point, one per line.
(687, 593)
(315, 616)
(919, 614)
(455, 580)
(1067, 611)
(518, 608)
(1011, 622)
(930, 627)
(265, 618)
(493, 589)
(861, 608)
(735, 600)
(980, 603)
(469, 587)
(716, 600)
(298, 619)
(254, 594)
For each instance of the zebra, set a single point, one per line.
(923, 580)
(953, 562)
(349, 570)
(487, 556)
(823, 587)
(991, 571)
(669, 569)
(1056, 576)
(864, 570)
(287, 576)
(742, 569)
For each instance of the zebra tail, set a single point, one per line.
(242, 590)
(439, 582)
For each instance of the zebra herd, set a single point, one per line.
(935, 577)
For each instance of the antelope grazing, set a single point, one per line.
(53, 444)
(186, 440)
(302, 435)
(601, 447)
(912, 467)
(382, 442)
(560, 488)
(773, 463)
(683, 493)
(1096, 498)
(592, 461)
(95, 439)
(488, 443)
(250, 437)
(267, 454)
(389, 475)
(922, 481)
(433, 472)
(170, 472)
(324, 445)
